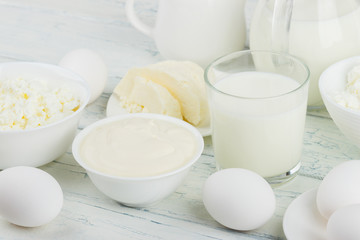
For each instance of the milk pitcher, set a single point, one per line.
(195, 30)
(320, 32)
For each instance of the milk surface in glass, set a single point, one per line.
(251, 129)
(321, 33)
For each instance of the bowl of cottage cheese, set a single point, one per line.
(40, 106)
(339, 86)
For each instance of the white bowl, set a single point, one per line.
(333, 80)
(38, 146)
(138, 191)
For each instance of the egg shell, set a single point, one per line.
(344, 224)
(29, 196)
(339, 188)
(90, 66)
(239, 199)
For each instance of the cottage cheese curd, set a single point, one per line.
(350, 97)
(26, 104)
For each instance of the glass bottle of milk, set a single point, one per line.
(321, 33)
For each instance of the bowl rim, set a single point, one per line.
(74, 78)
(80, 137)
(325, 94)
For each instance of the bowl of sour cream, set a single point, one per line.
(138, 159)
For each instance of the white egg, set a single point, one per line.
(239, 199)
(344, 224)
(90, 66)
(339, 188)
(29, 196)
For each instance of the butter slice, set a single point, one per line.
(138, 94)
(183, 80)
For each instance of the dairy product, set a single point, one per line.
(350, 97)
(26, 104)
(174, 88)
(319, 35)
(139, 94)
(199, 31)
(138, 147)
(143, 95)
(258, 131)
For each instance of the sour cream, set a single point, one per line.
(138, 147)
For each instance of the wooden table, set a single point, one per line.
(44, 31)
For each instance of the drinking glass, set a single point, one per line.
(258, 105)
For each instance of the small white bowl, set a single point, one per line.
(333, 80)
(138, 191)
(41, 145)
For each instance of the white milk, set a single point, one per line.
(264, 135)
(317, 36)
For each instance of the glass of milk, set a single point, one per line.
(258, 105)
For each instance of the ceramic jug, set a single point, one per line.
(320, 32)
(195, 30)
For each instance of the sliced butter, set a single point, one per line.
(183, 80)
(188, 88)
(138, 94)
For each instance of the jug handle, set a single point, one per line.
(134, 20)
(281, 25)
